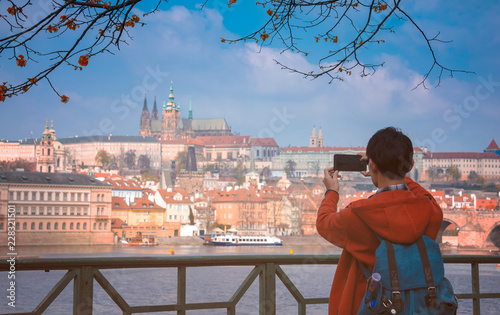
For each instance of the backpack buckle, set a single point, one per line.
(396, 300)
(388, 305)
(430, 298)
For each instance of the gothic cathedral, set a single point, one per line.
(173, 127)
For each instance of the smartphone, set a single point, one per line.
(349, 163)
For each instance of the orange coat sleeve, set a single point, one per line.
(330, 224)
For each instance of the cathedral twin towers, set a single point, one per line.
(173, 127)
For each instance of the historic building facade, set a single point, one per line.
(173, 127)
(55, 208)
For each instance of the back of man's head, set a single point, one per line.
(391, 151)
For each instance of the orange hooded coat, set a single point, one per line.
(400, 216)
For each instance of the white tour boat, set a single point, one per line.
(237, 240)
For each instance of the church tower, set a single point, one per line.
(155, 122)
(320, 138)
(145, 126)
(45, 151)
(170, 117)
(313, 140)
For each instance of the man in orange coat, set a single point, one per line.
(400, 211)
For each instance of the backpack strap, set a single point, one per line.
(393, 271)
(430, 298)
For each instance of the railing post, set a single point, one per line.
(476, 300)
(83, 291)
(267, 292)
(181, 289)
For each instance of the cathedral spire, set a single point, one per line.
(154, 114)
(171, 98)
(190, 115)
(145, 107)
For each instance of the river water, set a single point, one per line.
(207, 284)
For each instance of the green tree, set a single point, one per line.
(290, 168)
(143, 162)
(454, 172)
(181, 161)
(432, 173)
(102, 158)
(130, 159)
(472, 176)
(191, 216)
(81, 30)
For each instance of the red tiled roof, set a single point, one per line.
(140, 202)
(461, 155)
(119, 203)
(493, 146)
(168, 196)
(267, 142)
(123, 184)
(239, 195)
(117, 223)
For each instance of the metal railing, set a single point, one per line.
(82, 271)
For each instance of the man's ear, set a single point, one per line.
(412, 164)
(373, 167)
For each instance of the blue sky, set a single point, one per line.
(246, 87)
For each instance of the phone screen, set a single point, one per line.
(349, 163)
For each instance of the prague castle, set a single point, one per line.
(173, 127)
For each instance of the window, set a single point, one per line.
(25, 210)
(49, 210)
(219, 156)
(65, 196)
(40, 211)
(57, 196)
(100, 226)
(105, 226)
(33, 225)
(56, 226)
(49, 196)
(11, 195)
(56, 210)
(18, 195)
(79, 197)
(78, 226)
(71, 226)
(72, 210)
(209, 156)
(65, 211)
(33, 196)
(85, 210)
(86, 197)
(40, 226)
(18, 210)
(85, 225)
(64, 226)
(25, 226)
(95, 226)
(42, 196)
(18, 227)
(72, 196)
(48, 225)
(78, 211)
(26, 195)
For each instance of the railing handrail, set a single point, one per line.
(200, 261)
(83, 271)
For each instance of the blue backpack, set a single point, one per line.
(412, 281)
